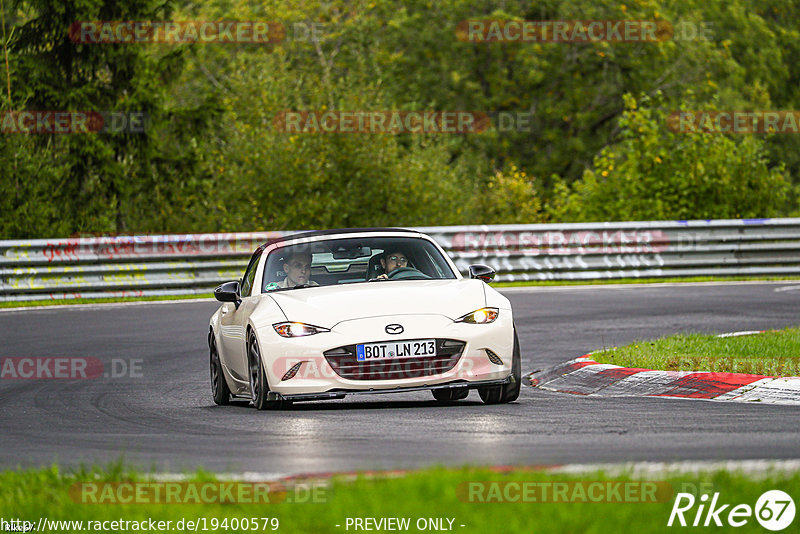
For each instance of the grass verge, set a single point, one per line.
(775, 353)
(65, 302)
(436, 493)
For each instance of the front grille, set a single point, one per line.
(344, 363)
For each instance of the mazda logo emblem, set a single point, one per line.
(394, 329)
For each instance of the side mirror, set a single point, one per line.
(228, 292)
(481, 272)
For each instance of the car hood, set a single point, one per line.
(330, 305)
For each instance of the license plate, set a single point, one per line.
(412, 348)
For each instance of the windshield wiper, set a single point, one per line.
(298, 286)
(301, 286)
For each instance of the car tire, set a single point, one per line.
(506, 392)
(259, 386)
(219, 386)
(450, 394)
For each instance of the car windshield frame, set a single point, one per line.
(345, 260)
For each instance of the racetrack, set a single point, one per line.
(166, 419)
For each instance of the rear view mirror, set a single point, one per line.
(351, 253)
(481, 272)
(228, 292)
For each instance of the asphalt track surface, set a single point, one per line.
(165, 419)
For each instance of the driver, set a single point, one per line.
(298, 270)
(392, 261)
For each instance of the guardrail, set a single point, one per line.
(194, 263)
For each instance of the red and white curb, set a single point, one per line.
(584, 376)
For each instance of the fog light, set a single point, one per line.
(293, 371)
(494, 358)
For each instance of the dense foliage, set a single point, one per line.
(595, 146)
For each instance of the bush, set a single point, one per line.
(656, 174)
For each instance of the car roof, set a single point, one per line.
(316, 233)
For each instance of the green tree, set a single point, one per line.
(211, 159)
(110, 182)
(656, 174)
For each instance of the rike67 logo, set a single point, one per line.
(774, 510)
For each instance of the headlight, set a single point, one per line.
(290, 329)
(482, 316)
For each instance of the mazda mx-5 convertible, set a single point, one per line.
(324, 314)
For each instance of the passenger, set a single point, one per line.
(298, 270)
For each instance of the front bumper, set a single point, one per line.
(316, 376)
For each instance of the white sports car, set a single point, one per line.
(324, 314)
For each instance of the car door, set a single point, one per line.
(233, 323)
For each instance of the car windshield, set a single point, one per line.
(354, 260)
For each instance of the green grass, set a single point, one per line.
(771, 353)
(64, 302)
(430, 493)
